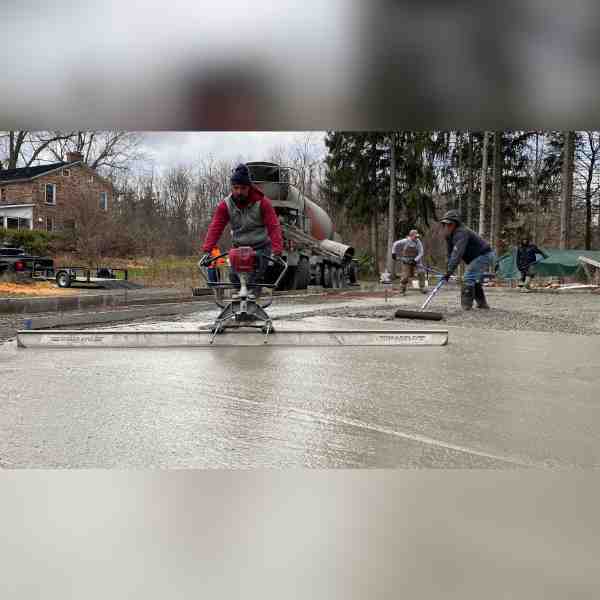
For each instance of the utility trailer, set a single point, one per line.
(97, 277)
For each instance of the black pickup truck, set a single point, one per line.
(17, 262)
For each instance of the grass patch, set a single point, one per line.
(166, 271)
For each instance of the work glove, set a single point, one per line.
(447, 276)
(205, 260)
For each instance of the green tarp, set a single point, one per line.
(560, 263)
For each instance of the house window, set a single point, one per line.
(12, 223)
(103, 200)
(2, 193)
(50, 193)
(49, 224)
(66, 172)
(24, 223)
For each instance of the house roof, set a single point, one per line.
(24, 173)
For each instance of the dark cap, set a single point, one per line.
(452, 216)
(240, 175)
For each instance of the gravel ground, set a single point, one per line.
(577, 313)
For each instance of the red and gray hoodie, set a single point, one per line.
(253, 223)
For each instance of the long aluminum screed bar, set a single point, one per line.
(201, 338)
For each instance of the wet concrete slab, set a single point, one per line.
(489, 399)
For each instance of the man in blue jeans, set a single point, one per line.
(464, 244)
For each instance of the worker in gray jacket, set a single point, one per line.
(409, 251)
(465, 245)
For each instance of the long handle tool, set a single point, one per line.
(422, 314)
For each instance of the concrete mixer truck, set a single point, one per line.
(314, 253)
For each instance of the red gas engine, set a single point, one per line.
(242, 259)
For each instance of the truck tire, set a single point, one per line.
(302, 275)
(335, 281)
(289, 280)
(353, 273)
(341, 277)
(326, 276)
(63, 279)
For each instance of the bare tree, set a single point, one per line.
(211, 185)
(24, 148)
(391, 205)
(496, 225)
(567, 188)
(91, 227)
(470, 182)
(587, 179)
(176, 192)
(108, 151)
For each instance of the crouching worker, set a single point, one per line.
(526, 258)
(409, 251)
(464, 244)
(253, 223)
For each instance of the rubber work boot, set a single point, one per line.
(421, 278)
(527, 285)
(466, 297)
(480, 297)
(403, 289)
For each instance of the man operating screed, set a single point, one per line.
(253, 223)
(409, 251)
(464, 244)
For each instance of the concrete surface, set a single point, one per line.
(92, 299)
(492, 399)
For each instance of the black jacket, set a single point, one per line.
(526, 256)
(464, 244)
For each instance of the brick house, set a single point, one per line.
(42, 197)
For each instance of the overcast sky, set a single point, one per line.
(167, 149)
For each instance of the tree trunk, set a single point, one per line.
(588, 219)
(373, 235)
(591, 173)
(392, 206)
(459, 180)
(536, 175)
(15, 143)
(567, 189)
(483, 193)
(496, 225)
(377, 266)
(470, 183)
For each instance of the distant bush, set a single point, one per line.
(34, 242)
(366, 264)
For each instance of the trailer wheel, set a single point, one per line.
(63, 279)
(341, 277)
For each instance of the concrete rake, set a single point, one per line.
(422, 314)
